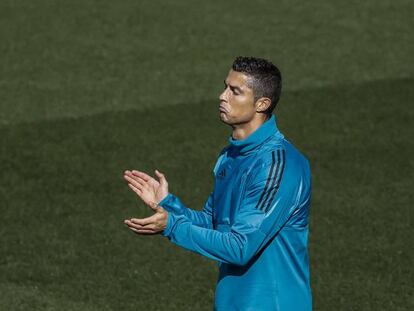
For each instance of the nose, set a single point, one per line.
(223, 96)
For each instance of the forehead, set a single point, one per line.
(239, 79)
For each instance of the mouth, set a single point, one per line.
(222, 109)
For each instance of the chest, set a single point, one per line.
(230, 177)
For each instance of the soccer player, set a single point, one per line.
(255, 221)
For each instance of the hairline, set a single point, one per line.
(250, 82)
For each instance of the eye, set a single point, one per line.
(234, 91)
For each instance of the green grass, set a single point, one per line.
(64, 243)
(70, 58)
(91, 88)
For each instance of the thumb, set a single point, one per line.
(161, 177)
(155, 207)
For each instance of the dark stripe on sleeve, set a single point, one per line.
(267, 180)
(274, 179)
(274, 190)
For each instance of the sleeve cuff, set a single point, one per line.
(166, 199)
(170, 224)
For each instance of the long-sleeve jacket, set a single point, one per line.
(254, 223)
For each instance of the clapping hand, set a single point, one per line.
(150, 225)
(151, 192)
(146, 187)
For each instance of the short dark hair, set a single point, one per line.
(265, 78)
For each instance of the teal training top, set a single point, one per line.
(254, 223)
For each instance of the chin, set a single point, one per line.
(223, 118)
(226, 120)
(223, 115)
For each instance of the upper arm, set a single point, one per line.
(273, 193)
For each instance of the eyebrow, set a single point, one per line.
(233, 87)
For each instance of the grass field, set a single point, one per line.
(91, 88)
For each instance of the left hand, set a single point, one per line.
(147, 187)
(150, 225)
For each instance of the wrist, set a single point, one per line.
(164, 199)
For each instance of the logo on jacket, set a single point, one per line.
(222, 174)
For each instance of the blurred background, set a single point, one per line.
(91, 88)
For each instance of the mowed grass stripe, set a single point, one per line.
(85, 57)
(63, 202)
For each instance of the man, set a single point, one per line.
(255, 222)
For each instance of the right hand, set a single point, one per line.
(147, 188)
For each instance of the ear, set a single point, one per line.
(262, 104)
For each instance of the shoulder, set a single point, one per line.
(281, 156)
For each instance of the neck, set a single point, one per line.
(243, 130)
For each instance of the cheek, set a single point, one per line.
(242, 104)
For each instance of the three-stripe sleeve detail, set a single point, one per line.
(269, 177)
(274, 178)
(275, 187)
(273, 181)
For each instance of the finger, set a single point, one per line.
(135, 223)
(155, 207)
(145, 180)
(136, 190)
(133, 229)
(152, 227)
(136, 178)
(143, 175)
(161, 177)
(138, 183)
(143, 231)
(132, 225)
(144, 221)
(148, 232)
(159, 174)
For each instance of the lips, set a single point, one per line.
(222, 109)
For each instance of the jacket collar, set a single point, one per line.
(255, 139)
